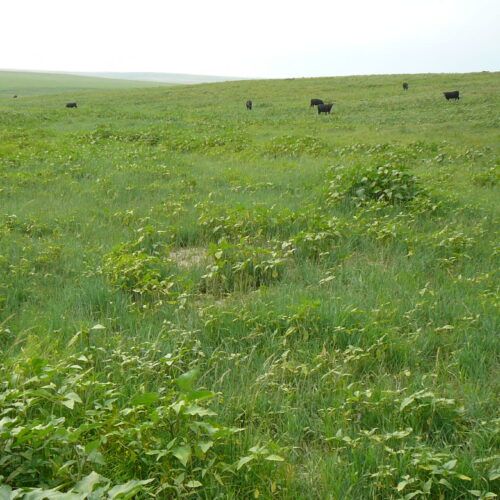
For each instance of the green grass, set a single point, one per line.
(233, 304)
(25, 84)
(169, 78)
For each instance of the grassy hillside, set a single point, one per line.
(173, 78)
(197, 300)
(25, 84)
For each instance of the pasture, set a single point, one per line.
(200, 300)
(31, 83)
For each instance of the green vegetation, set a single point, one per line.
(30, 83)
(171, 78)
(198, 300)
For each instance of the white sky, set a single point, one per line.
(259, 38)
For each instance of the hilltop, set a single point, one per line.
(172, 78)
(24, 83)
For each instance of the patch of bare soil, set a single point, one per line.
(189, 256)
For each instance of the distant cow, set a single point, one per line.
(249, 104)
(14, 97)
(324, 108)
(71, 105)
(316, 102)
(405, 86)
(452, 95)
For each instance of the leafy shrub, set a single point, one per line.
(240, 267)
(320, 238)
(148, 278)
(142, 269)
(67, 423)
(258, 222)
(385, 183)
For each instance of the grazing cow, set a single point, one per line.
(405, 86)
(14, 97)
(249, 104)
(316, 102)
(71, 105)
(324, 108)
(452, 95)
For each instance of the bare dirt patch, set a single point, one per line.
(189, 256)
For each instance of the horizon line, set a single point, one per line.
(235, 78)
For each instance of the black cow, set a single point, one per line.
(14, 97)
(71, 105)
(452, 95)
(316, 102)
(249, 104)
(405, 86)
(324, 108)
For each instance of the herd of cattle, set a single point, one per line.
(326, 108)
(322, 107)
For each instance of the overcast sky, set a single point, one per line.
(259, 38)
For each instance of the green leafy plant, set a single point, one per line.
(241, 267)
(60, 422)
(294, 146)
(146, 277)
(387, 183)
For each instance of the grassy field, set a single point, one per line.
(25, 84)
(197, 300)
(172, 78)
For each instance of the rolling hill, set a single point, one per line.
(23, 83)
(172, 78)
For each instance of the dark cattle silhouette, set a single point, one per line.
(315, 102)
(405, 86)
(71, 105)
(324, 108)
(452, 95)
(249, 104)
(14, 97)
